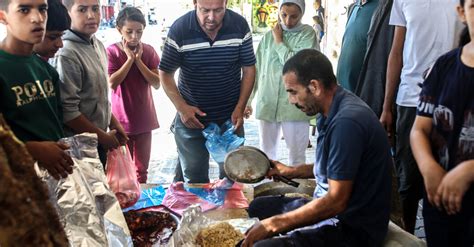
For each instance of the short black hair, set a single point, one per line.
(130, 14)
(310, 64)
(58, 16)
(465, 36)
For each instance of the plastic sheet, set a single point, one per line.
(222, 193)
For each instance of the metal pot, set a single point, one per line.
(248, 164)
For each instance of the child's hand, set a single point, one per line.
(128, 51)
(453, 187)
(121, 135)
(51, 156)
(109, 140)
(139, 53)
(432, 180)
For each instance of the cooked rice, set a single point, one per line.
(219, 235)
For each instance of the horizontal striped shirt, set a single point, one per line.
(211, 71)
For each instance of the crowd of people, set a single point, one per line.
(403, 98)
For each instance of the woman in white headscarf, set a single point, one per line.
(273, 110)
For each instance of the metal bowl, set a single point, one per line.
(246, 165)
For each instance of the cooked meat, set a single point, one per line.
(144, 220)
(146, 227)
(26, 216)
(219, 235)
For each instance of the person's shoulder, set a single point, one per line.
(307, 29)
(70, 48)
(42, 66)
(181, 27)
(453, 54)
(237, 20)
(235, 16)
(148, 48)
(67, 52)
(182, 22)
(149, 52)
(445, 61)
(113, 50)
(352, 107)
(98, 43)
(42, 62)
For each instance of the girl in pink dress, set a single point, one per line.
(133, 68)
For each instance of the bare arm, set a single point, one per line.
(122, 137)
(81, 124)
(118, 77)
(332, 204)
(187, 113)
(300, 171)
(454, 185)
(151, 76)
(248, 79)
(430, 169)
(169, 85)
(420, 143)
(394, 69)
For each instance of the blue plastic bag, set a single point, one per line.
(148, 198)
(221, 140)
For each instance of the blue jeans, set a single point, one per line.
(193, 157)
(330, 232)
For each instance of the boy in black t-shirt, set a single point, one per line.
(442, 139)
(55, 28)
(29, 87)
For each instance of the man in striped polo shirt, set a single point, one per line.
(213, 48)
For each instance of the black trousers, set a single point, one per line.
(450, 230)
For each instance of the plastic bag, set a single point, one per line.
(194, 220)
(122, 177)
(221, 140)
(220, 194)
(178, 199)
(149, 198)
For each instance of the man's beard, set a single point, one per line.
(311, 107)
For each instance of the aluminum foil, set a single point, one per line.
(193, 220)
(88, 209)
